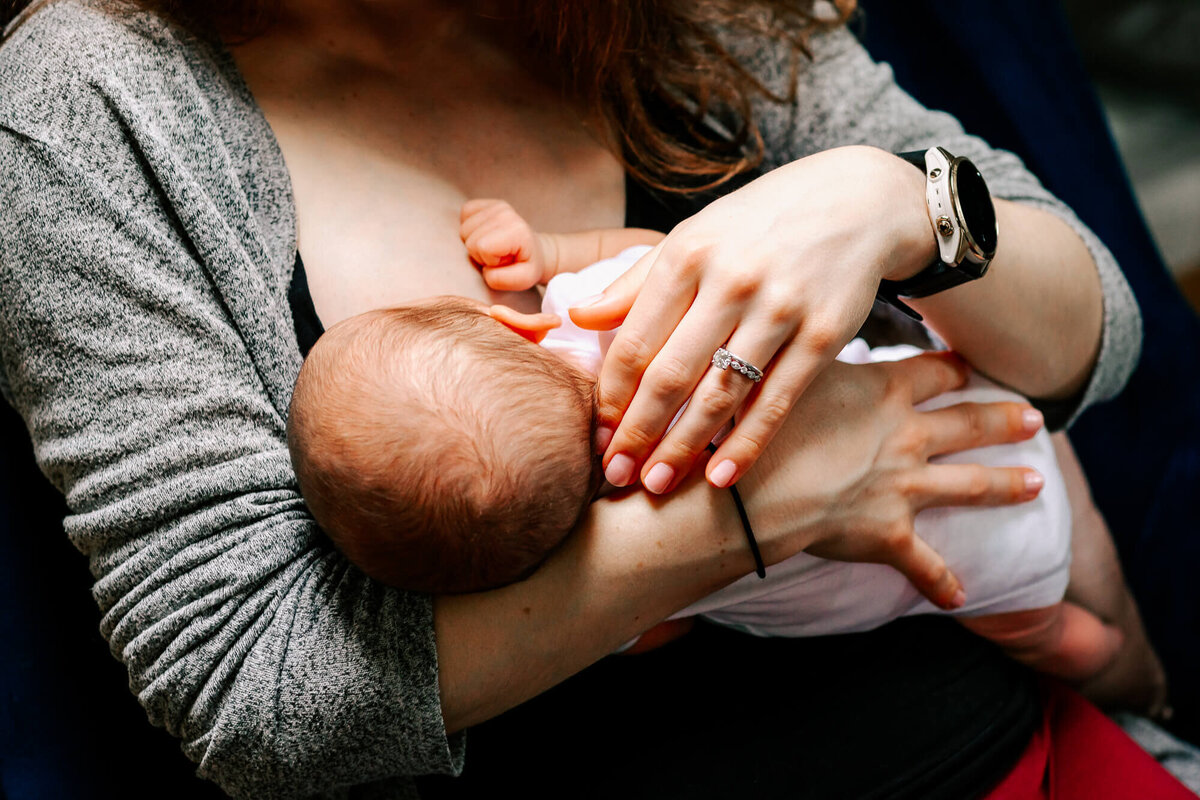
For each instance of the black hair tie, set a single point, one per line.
(760, 569)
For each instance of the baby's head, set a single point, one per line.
(441, 451)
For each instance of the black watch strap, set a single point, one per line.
(914, 157)
(937, 277)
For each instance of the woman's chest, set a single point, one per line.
(381, 165)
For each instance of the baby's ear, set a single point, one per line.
(531, 326)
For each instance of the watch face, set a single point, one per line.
(975, 203)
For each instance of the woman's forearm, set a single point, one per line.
(1034, 320)
(611, 580)
(843, 480)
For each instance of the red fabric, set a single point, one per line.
(1080, 753)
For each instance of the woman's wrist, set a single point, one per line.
(916, 245)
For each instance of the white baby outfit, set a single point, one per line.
(1010, 558)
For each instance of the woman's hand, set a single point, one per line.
(843, 479)
(850, 468)
(782, 272)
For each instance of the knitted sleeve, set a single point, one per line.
(284, 671)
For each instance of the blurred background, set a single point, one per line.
(1145, 58)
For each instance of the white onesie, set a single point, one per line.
(1010, 558)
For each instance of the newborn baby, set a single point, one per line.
(444, 451)
(440, 450)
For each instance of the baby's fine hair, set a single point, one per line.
(440, 451)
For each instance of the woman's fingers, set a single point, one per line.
(648, 327)
(929, 374)
(974, 485)
(966, 426)
(719, 394)
(794, 368)
(669, 380)
(610, 308)
(921, 377)
(927, 571)
(663, 306)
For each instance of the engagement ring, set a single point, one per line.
(723, 359)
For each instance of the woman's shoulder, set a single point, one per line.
(101, 84)
(127, 100)
(834, 85)
(62, 69)
(835, 52)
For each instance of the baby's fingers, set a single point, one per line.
(513, 278)
(496, 246)
(477, 212)
(929, 374)
(473, 207)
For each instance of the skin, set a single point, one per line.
(1135, 679)
(1065, 639)
(785, 278)
(389, 116)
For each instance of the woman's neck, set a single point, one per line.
(388, 124)
(370, 29)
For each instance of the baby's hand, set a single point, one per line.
(504, 247)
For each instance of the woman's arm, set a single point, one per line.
(498, 649)
(283, 669)
(785, 270)
(1034, 321)
(1063, 319)
(146, 340)
(843, 480)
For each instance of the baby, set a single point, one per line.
(442, 451)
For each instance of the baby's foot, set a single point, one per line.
(1134, 681)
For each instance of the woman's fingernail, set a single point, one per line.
(959, 600)
(589, 301)
(1032, 420)
(620, 470)
(658, 478)
(1034, 482)
(604, 436)
(722, 474)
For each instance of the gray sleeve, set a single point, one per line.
(284, 671)
(845, 98)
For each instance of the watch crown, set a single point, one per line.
(944, 226)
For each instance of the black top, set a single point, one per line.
(917, 709)
(304, 313)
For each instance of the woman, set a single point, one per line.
(157, 185)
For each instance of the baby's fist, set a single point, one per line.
(502, 245)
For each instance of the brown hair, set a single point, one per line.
(440, 451)
(651, 70)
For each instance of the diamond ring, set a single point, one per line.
(723, 359)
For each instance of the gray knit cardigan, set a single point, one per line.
(147, 238)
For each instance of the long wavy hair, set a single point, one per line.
(655, 72)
